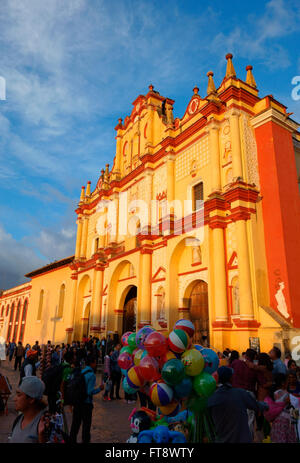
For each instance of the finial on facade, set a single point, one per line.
(151, 88)
(230, 72)
(250, 79)
(211, 88)
(82, 196)
(120, 121)
(196, 90)
(88, 189)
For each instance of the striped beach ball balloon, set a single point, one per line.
(178, 341)
(134, 378)
(160, 393)
(171, 409)
(185, 325)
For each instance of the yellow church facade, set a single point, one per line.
(186, 224)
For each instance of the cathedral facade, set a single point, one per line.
(199, 218)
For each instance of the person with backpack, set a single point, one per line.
(83, 408)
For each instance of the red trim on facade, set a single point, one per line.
(193, 271)
(246, 323)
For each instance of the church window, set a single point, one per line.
(61, 301)
(197, 195)
(39, 315)
(23, 321)
(10, 321)
(16, 322)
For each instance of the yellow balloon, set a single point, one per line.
(138, 356)
(193, 362)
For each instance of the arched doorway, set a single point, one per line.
(129, 311)
(198, 305)
(86, 320)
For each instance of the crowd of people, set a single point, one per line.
(257, 394)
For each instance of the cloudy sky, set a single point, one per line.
(72, 68)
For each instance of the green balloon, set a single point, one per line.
(195, 403)
(173, 372)
(204, 384)
(127, 349)
(131, 341)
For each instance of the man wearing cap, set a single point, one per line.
(228, 408)
(28, 367)
(30, 424)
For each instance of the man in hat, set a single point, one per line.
(31, 424)
(28, 367)
(228, 408)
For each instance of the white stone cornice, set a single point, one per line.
(273, 115)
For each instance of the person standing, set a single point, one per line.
(228, 408)
(103, 348)
(82, 412)
(278, 365)
(11, 350)
(19, 353)
(28, 367)
(115, 372)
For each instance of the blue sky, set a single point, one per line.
(73, 68)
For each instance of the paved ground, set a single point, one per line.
(110, 419)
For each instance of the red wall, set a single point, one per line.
(281, 213)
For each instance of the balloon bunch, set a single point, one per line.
(174, 373)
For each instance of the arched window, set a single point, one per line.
(39, 315)
(2, 311)
(235, 296)
(7, 310)
(61, 301)
(23, 321)
(16, 322)
(11, 317)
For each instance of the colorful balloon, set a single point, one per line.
(185, 325)
(127, 388)
(149, 368)
(160, 393)
(124, 339)
(178, 341)
(172, 409)
(164, 358)
(204, 384)
(198, 347)
(131, 341)
(173, 372)
(193, 362)
(139, 355)
(126, 349)
(125, 360)
(196, 404)
(184, 388)
(211, 360)
(134, 378)
(156, 344)
(141, 336)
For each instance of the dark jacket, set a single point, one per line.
(228, 408)
(114, 366)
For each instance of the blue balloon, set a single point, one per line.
(211, 360)
(198, 347)
(127, 388)
(124, 372)
(184, 388)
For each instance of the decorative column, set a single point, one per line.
(72, 309)
(236, 144)
(78, 238)
(215, 156)
(144, 287)
(246, 298)
(97, 300)
(84, 237)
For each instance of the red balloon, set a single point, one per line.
(156, 344)
(125, 360)
(148, 368)
(216, 376)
